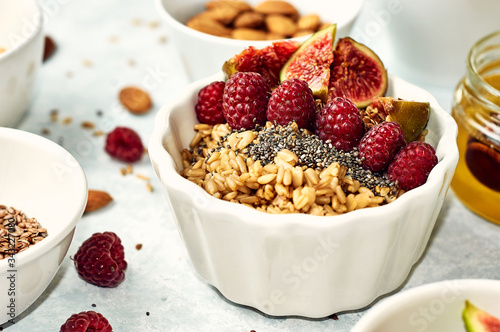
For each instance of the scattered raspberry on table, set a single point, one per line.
(124, 144)
(86, 321)
(100, 260)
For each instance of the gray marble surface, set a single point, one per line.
(103, 46)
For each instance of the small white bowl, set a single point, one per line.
(435, 307)
(44, 181)
(298, 264)
(21, 35)
(204, 54)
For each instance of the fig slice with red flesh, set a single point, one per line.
(311, 62)
(477, 320)
(412, 116)
(267, 61)
(357, 73)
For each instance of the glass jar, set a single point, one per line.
(476, 109)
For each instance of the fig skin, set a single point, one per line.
(357, 73)
(412, 116)
(477, 320)
(311, 62)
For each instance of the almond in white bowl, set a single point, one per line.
(203, 54)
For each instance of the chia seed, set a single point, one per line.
(312, 152)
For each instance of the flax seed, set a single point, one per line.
(17, 231)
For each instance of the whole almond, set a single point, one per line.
(300, 33)
(249, 20)
(323, 25)
(281, 25)
(249, 34)
(209, 26)
(97, 199)
(224, 15)
(276, 7)
(135, 100)
(239, 5)
(308, 22)
(49, 48)
(274, 36)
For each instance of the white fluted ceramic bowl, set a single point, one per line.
(298, 264)
(43, 180)
(435, 307)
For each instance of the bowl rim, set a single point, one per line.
(54, 238)
(162, 158)
(39, 25)
(381, 310)
(241, 43)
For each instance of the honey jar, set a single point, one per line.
(476, 109)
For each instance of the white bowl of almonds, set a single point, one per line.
(42, 197)
(299, 196)
(207, 32)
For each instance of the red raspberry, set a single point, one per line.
(86, 321)
(340, 122)
(245, 100)
(124, 144)
(292, 101)
(209, 105)
(412, 165)
(380, 144)
(100, 260)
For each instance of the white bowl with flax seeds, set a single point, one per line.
(301, 264)
(43, 181)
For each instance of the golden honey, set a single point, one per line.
(476, 109)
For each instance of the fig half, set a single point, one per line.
(357, 73)
(412, 116)
(267, 61)
(477, 320)
(311, 62)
